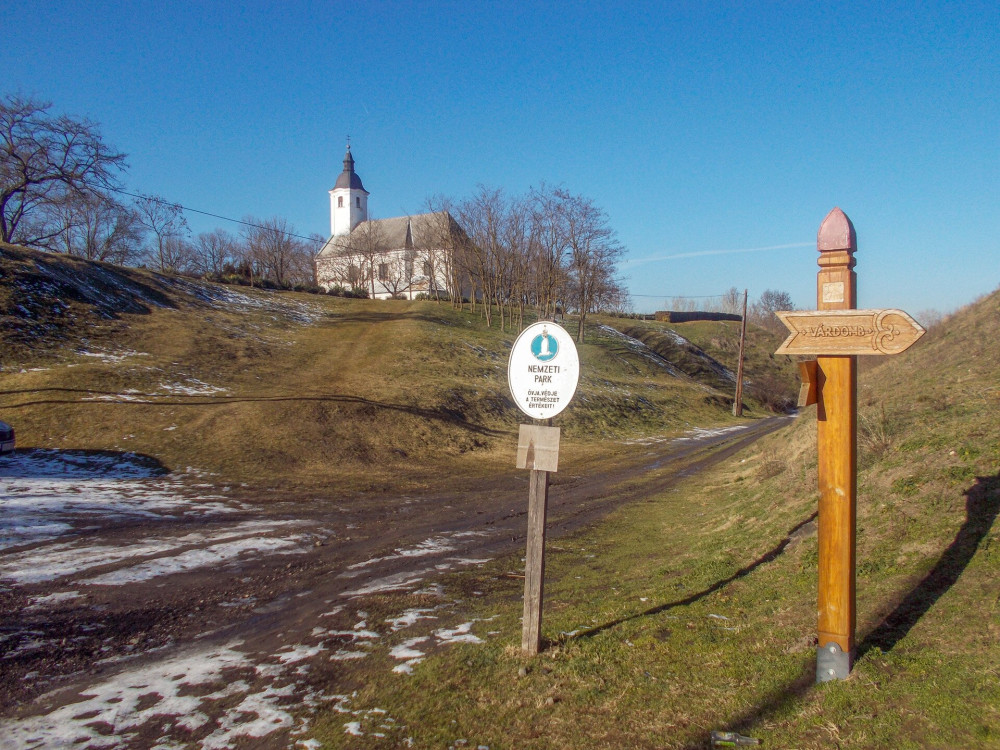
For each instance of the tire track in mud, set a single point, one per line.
(139, 650)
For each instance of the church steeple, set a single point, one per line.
(348, 199)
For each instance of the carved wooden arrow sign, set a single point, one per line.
(848, 332)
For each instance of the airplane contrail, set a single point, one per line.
(701, 253)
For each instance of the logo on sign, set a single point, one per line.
(544, 347)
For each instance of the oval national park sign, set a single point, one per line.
(543, 370)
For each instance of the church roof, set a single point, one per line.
(349, 178)
(402, 232)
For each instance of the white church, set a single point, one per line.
(400, 257)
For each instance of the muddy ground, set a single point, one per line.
(141, 611)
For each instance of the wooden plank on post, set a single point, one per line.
(808, 391)
(534, 563)
(869, 332)
(538, 448)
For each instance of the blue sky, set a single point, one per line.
(716, 136)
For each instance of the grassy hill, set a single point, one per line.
(299, 390)
(694, 610)
(697, 610)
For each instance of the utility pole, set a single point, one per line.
(738, 401)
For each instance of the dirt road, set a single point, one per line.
(142, 611)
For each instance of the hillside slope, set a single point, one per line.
(696, 609)
(294, 389)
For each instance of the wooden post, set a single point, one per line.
(534, 563)
(537, 450)
(837, 442)
(738, 401)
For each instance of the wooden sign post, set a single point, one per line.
(837, 289)
(537, 450)
(838, 333)
(543, 372)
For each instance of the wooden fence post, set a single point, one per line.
(837, 443)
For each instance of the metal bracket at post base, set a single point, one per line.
(832, 663)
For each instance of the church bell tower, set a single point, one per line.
(348, 199)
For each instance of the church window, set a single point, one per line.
(340, 201)
(353, 275)
(427, 268)
(357, 199)
(383, 271)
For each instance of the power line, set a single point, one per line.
(314, 240)
(214, 216)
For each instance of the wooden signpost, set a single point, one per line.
(543, 372)
(838, 332)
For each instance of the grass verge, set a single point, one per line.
(695, 610)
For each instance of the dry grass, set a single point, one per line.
(697, 611)
(292, 390)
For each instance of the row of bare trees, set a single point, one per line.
(60, 190)
(760, 312)
(549, 250)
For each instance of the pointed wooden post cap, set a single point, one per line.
(836, 233)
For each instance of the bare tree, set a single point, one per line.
(482, 216)
(96, 227)
(44, 160)
(732, 301)
(395, 272)
(366, 243)
(594, 252)
(165, 220)
(214, 251)
(447, 253)
(179, 255)
(762, 312)
(549, 238)
(276, 248)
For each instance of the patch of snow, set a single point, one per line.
(703, 434)
(112, 358)
(344, 655)
(406, 651)
(395, 582)
(459, 634)
(115, 702)
(201, 558)
(192, 387)
(298, 653)
(433, 546)
(409, 618)
(641, 349)
(269, 719)
(44, 493)
(67, 559)
(59, 597)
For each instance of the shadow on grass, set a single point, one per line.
(767, 557)
(99, 398)
(982, 503)
(49, 463)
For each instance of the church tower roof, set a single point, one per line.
(349, 178)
